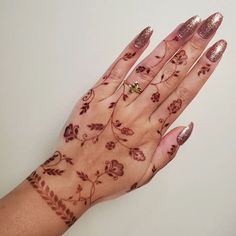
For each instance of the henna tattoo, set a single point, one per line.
(112, 168)
(172, 150)
(89, 96)
(49, 165)
(173, 108)
(137, 154)
(179, 59)
(51, 199)
(97, 126)
(110, 145)
(133, 187)
(204, 69)
(71, 132)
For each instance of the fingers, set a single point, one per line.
(171, 75)
(120, 67)
(174, 105)
(145, 71)
(167, 150)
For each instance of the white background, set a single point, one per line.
(51, 52)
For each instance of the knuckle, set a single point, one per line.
(196, 43)
(168, 84)
(116, 73)
(183, 93)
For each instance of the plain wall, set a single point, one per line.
(52, 51)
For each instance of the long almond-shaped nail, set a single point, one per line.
(143, 37)
(210, 25)
(185, 134)
(188, 28)
(215, 52)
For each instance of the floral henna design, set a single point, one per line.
(112, 168)
(118, 130)
(173, 108)
(52, 199)
(49, 165)
(71, 132)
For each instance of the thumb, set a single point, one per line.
(166, 150)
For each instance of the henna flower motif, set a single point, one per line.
(114, 169)
(180, 58)
(141, 69)
(127, 131)
(71, 132)
(110, 145)
(137, 154)
(175, 106)
(155, 97)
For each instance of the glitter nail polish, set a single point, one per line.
(188, 28)
(185, 134)
(210, 25)
(143, 37)
(215, 52)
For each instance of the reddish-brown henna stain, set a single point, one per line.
(118, 131)
(49, 166)
(88, 98)
(172, 150)
(204, 69)
(173, 108)
(52, 199)
(179, 59)
(112, 168)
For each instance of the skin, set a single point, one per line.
(114, 141)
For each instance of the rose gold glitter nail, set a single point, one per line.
(210, 25)
(185, 134)
(215, 52)
(188, 28)
(143, 37)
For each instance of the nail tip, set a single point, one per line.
(210, 25)
(216, 51)
(188, 27)
(185, 134)
(143, 37)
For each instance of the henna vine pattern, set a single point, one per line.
(88, 98)
(51, 199)
(179, 59)
(49, 166)
(112, 168)
(173, 108)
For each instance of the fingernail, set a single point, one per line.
(143, 37)
(188, 27)
(185, 134)
(215, 52)
(210, 25)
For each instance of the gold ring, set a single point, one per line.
(135, 88)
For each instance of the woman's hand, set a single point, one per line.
(115, 139)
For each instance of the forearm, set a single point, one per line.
(35, 208)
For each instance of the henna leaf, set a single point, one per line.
(112, 104)
(127, 131)
(82, 176)
(51, 171)
(84, 108)
(96, 126)
(125, 96)
(69, 160)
